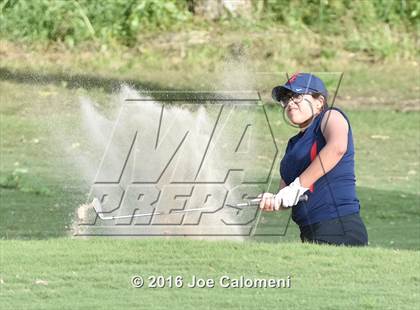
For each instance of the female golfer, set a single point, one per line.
(318, 163)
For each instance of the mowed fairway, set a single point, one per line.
(93, 274)
(41, 189)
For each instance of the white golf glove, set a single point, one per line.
(289, 196)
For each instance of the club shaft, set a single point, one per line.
(148, 214)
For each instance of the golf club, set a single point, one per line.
(98, 208)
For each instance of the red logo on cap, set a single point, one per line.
(293, 78)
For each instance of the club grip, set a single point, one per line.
(256, 201)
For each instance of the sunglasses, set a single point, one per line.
(296, 98)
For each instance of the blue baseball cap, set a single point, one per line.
(300, 83)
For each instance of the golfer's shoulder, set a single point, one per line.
(334, 118)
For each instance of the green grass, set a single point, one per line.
(80, 274)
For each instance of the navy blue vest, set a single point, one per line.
(334, 194)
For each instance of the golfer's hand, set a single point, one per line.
(270, 202)
(289, 195)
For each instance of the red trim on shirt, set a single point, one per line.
(314, 152)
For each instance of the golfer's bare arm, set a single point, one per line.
(335, 130)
